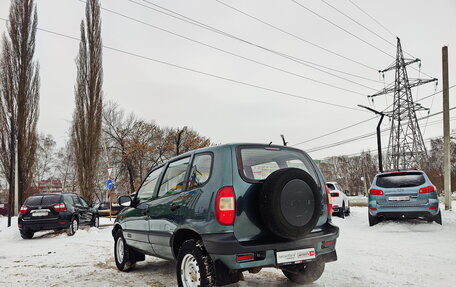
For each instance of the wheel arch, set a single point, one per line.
(180, 236)
(116, 228)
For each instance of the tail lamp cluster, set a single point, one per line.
(225, 206)
(60, 207)
(427, 189)
(329, 201)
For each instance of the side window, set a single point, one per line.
(75, 200)
(147, 188)
(201, 170)
(67, 200)
(174, 178)
(83, 202)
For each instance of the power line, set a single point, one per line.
(343, 29)
(198, 71)
(386, 29)
(292, 35)
(360, 122)
(353, 20)
(349, 140)
(243, 57)
(205, 26)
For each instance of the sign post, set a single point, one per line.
(110, 186)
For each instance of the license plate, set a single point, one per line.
(41, 213)
(295, 255)
(399, 198)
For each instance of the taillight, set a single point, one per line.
(427, 189)
(433, 208)
(23, 209)
(373, 191)
(329, 201)
(60, 207)
(225, 206)
(334, 194)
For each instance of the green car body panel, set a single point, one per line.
(156, 227)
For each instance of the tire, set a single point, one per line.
(122, 253)
(347, 213)
(279, 194)
(27, 234)
(194, 266)
(342, 211)
(74, 225)
(96, 221)
(373, 220)
(438, 218)
(306, 273)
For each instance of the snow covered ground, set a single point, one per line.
(392, 253)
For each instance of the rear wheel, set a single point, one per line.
(373, 220)
(74, 225)
(438, 218)
(122, 253)
(347, 212)
(27, 234)
(342, 211)
(305, 273)
(194, 266)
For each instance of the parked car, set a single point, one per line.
(403, 194)
(226, 209)
(58, 211)
(340, 202)
(3, 209)
(103, 208)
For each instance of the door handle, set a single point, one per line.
(174, 207)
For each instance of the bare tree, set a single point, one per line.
(87, 118)
(19, 92)
(44, 167)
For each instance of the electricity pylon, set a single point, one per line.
(406, 147)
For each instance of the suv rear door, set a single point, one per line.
(255, 163)
(402, 187)
(41, 207)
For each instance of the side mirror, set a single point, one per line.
(125, 201)
(347, 192)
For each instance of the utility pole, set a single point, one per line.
(379, 139)
(406, 147)
(11, 168)
(446, 130)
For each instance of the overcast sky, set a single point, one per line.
(226, 111)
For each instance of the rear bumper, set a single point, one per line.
(37, 225)
(429, 209)
(225, 247)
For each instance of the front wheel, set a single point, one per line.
(96, 221)
(122, 253)
(194, 266)
(305, 273)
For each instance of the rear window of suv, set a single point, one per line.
(43, 200)
(257, 163)
(400, 179)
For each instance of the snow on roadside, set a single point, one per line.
(392, 253)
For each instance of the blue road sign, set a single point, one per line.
(110, 184)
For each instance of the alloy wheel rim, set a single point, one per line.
(97, 222)
(75, 225)
(190, 272)
(120, 250)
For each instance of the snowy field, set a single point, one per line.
(392, 253)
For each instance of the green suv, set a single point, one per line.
(222, 210)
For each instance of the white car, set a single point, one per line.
(340, 203)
